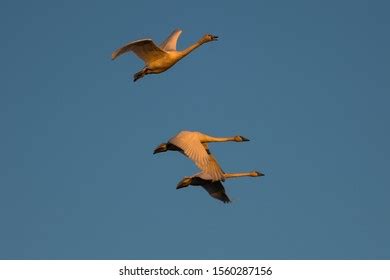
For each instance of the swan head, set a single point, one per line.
(185, 182)
(161, 148)
(256, 174)
(208, 38)
(239, 138)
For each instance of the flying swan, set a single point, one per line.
(193, 144)
(159, 58)
(214, 188)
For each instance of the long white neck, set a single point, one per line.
(217, 139)
(188, 50)
(242, 174)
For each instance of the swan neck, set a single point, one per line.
(219, 139)
(235, 175)
(190, 49)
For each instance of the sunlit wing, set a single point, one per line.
(145, 49)
(170, 43)
(213, 168)
(191, 147)
(196, 151)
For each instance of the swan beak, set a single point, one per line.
(214, 38)
(244, 139)
(259, 173)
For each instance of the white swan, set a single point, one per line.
(214, 188)
(159, 58)
(193, 144)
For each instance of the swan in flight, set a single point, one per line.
(193, 144)
(214, 188)
(159, 58)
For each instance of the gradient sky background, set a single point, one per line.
(306, 81)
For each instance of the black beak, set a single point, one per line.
(215, 38)
(259, 173)
(244, 139)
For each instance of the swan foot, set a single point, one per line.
(139, 75)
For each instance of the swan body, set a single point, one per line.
(214, 188)
(193, 144)
(159, 58)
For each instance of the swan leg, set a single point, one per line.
(140, 74)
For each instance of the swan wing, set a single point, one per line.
(192, 147)
(216, 190)
(213, 168)
(145, 49)
(196, 151)
(170, 43)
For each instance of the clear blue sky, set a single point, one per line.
(306, 81)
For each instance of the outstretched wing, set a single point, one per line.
(216, 190)
(170, 43)
(145, 49)
(213, 168)
(192, 147)
(196, 151)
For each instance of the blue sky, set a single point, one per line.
(306, 81)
